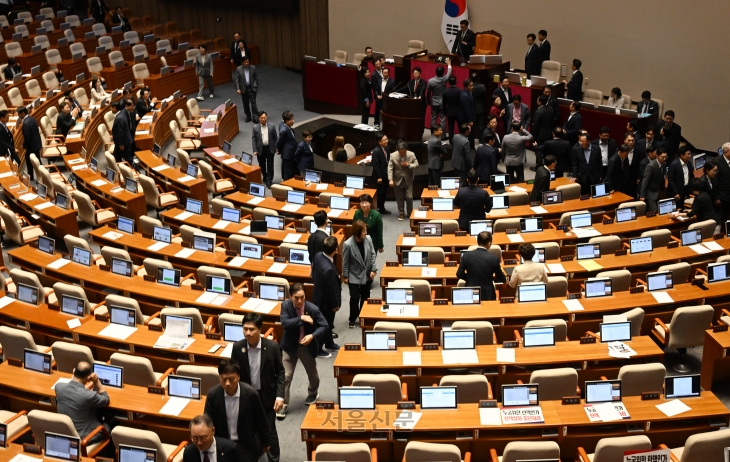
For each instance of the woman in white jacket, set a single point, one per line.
(97, 91)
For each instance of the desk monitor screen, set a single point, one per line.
(659, 281)
(185, 320)
(691, 236)
(504, 179)
(246, 158)
(161, 234)
(313, 176)
(125, 225)
(274, 222)
(171, 160)
(183, 387)
(251, 250)
(429, 229)
(271, 292)
(448, 184)
(299, 256)
(717, 272)
(36, 361)
(465, 295)
(581, 220)
(72, 305)
(122, 315)
(204, 243)
(477, 226)
(232, 332)
(27, 294)
(381, 340)
(538, 336)
(357, 397)
(615, 332)
(530, 225)
(438, 398)
(462, 339)
(130, 184)
(81, 256)
(192, 170)
(441, 204)
(339, 203)
(699, 161)
(62, 201)
(625, 214)
(232, 215)
(94, 164)
(18, 77)
(588, 251)
(603, 391)
(532, 292)
(641, 244)
(500, 202)
(168, 276)
(682, 386)
(667, 206)
(3, 435)
(600, 190)
(110, 376)
(47, 245)
(136, 454)
(598, 287)
(110, 175)
(399, 295)
(256, 189)
(295, 197)
(539, 256)
(520, 395)
(413, 258)
(62, 446)
(121, 267)
(552, 197)
(355, 182)
(259, 227)
(327, 228)
(194, 206)
(41, 190)
(218, 285)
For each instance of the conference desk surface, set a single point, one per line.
(213, 132)
(593, 120)
(12, 450)
(229, 166)
(149, 132)
(185, 79)
(338, 217)
(715, 358)
(427, 195)
(313, 190)
(172, 179)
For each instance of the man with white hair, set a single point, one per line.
(721, 183)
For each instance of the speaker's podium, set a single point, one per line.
(402, 118)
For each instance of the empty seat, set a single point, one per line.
(68, 355)
(484, 330)
(569, 191)
(556, 383)
(659, 237)
(705, 447)
(594, 97)
(608, 244)
(516, 451)
(349, 452)
(639, 378)
(418, 451)
(620, 279)
(148, 439)
(16, 341)
(405, 332)
(138, 370)
(388, 388)
(98, 29)
(415, 46)
(686, 329)
(612, 449)
(470, 388)
(44, 421)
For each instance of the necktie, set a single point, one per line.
(205, 456)
(415, 86)
(301, 328)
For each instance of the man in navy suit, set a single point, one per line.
(575, 86)
(327, 288)
(287, 147)
(504, 93)
(679, 174)
(379, 161)
(572, 126)
(647, 105)
(465, 41)
(31, 137)
(586, 159)
(473, 201)
(205, 443)
(545, 48)
(607, 146)
(532, 58)
(480, 268)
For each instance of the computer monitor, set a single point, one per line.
(81, 256)
(47, 245)
(426, 229)
(615, 331)
(539, 256)
(477, 226)
(259, 227)
(667, 206)
(246, 158)
(3, 435)
(355, 182)
(415, 258)
(600, 190)
(603, 391)
(625, 214)
(356, 397)
(27, 294)
(41, 190)
(274, 222)
(532, 292)
(110, 175)
(161, 234)
(62, 201)
(538, 336)
(339, 203)
(122, 315)
(62, 447)
(121, 267)
(443, 204)
(192, 170)
(136, 454)
(37, 361)
(504, 179)
(232, 332)
(171, 160)
(581, 220)
(204, 243)
(717, 272)
(641, 244)
(461, 339)
(249, 250)
(598, 287)
(552, 197)
(271, 292)
(218, 285)
(232, 215)
(313, 227)
(520, 395)
(299, 256)
(130, 184)
(438, 398)
(94, 164)
(110, 376)
(699, 161)
(256, 189)
(465, 295)
(450, 183)
(183, 387)
(296, 197)
(500, 202)
(125, 225)
(194, 206)
(588, 251)
(226, 147)
(399, 295)
(530, 225)
(313, 176)
(74, 306)
(691, 236)
(168, 276)
(381, 340)
(184, 319)
(661, 280)
(682, 386)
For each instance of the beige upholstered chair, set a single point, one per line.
(421, 288)
(106, 42)
(388, 389)
(620, 279)
(555, 383)
(140, 72)
(26, 16)
(13, 49)
(91, 213)
(199, 326)
(44, 421)
(76, 48)
(73, 20)
(99, 29)
(552, 249)
(17, 424)
(707, 227)
(415, 46)
(148, 439)
(186, 144)
(686, 329)
(74, 241)
(503, 224)
(659, 237)
(270, 280)
(48, 13)
(185, 127)
(81, 96)
(706, 447)
(636, 317)
(436, 255)
(612, 449)
(594, 97)
(470, 388)
(639, 378)
(350, 150)
(551, 70)
(484, 330)
(192, 53)
(208, 376)
(138, 370)
(140, 49)
(42, 40)
(285, 249)
(640, 207)
(526, 450)
(259, 213)
(130, 303)
(20, 235)
(22, 29)
(61, 289)
(357, 58)
(15, 341)
(608, 244)
(132, 36)
(154, 195)
(68, 355)
(447, 226)
(557, 286)
(340, 56)
(196, 113)
(627, 101)
(69, 35)
(228, 318)
(349, 452)
(570, 191)
(217, 204)
(518, 198)
(680, 271)
(216, 184)
(418, 451)
(405, 332)
(47, 24)
(115, 56)
(561, 327)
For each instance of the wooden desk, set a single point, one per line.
(29, 60)
(240, 173)
(307, 210)
(214, 133)
(427, 195)
(185, 80)
(314, 190)
(169, 178)
(12, 450)
(158, 132)
(714, 358)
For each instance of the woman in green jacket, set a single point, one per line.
(373, 219)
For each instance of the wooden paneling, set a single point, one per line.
(283, 38)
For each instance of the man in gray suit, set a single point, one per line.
(461, 159)
(401, 166)
(522, 110)
(263, 144)
(204, 71)
(514, 154)
(653, 182)
(80, 398)
(435, 90)
(436, 153)
(247, 84)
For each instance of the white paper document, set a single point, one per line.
(219, 154)
(161, 167)
(58, 263)
(419, 214)
(555, 268)
(445, 194)
(79, 167)
(75, 161)
(265, 306)
(405, 311)
(505, 355)
(516, 189)
(43, 205)
(185, 179)
(174, 406)
(573, 305)
(5, 301)
(538, 209)
(515, 238)
(348, 191)
(712, 245)
(112, 235)
(674, 407)
(607, 412)
(183, 216)
(586, 232)
(229, 161)
(334, 213)
(142, 132)
(28, 197)
(157, 246)
(227, 351)
(459, 356)
(292, 238)
(255, 200)
(428, 272)
(277, 268)
(98, 183)
(662, 297)
(620, 350)
(409, 241)
(73, 323)
(185, 253)
(221, 224)
(321, 186)
(173, 343)
(498, 213)
(206, 298)
(490, 416)
(291, 208)
(700, 249)
(117, 331)
(237, 261)
(411, 358)
(6, 174)
(61, 380)
(407, 420)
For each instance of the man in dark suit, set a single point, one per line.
(504, 93)
(532, 58)
(653, 182)
(376, 80)
(7, 142)
(385, 86)
(468, 109)
(703, 207)
(633, 126)
(98, 10)
(722, 181)
(485, 160)
(542, 125)
(145, 104)
(586, 160)
(206, 446)
(552, 103)
(619, 176)
(647, 105)
(465, 41)
(379, 162)
(304, 330)
(451, 101)
(119, 19)
(479, 93)
(32, 142)
(473, 201)
(668, 133)
(248, 427)
(542, 179)
(73, 103)
(123, 140)
(634, 159)
(315, 239)
(480, 268)
(436, 153)
(416, 88)
(11, 69)
(573, 125)
(263, 144)
(545, 48)
(607, 146)
(651, 154)
(679, 174)
(235, 49)
(559, 148)
(287, 146)
(575, 86)
(259, 360)
(247, 85)
(327, 288)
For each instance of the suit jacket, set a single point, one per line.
(532, 60)
(97, 10)
(505, 96)
(670, 141)
(572, 128)
(479, 93)
(253, 429)
(435, 89)
(31, 136)
(399, 175)
(226, 451)
(642, 169)
(497, 139)
(7, 142)
(653, 181)
(257, 143)
(416, 92)
(291, 322)
(389, 88)
(653, 107)
(65, 122)
(366, 91)
(142, 107)
(203, 69)
(558, 148)
(354, 268)
(541, 183)
(529, 271)
(120, 131)
(619, 176)
(704, 209)
(513, 148)
(314, 243)
(326, 280)
(81, 405)
(708, 187)
(485, 162)
(271, 369)
(542, 124)
(587, 173)
(473, 203)
(464, 50)
(612, 147)
(575, 86)
(544, 52)
(479, 268)
(467, 108)
(675, 175)
(379, 162)
(287, 143)
(452, 100)
(461, 153)
(253, 79)
(525, 118)
(10, 71)
(553, 104)
(435, 150)
(304, 156)
(376, 79)
(722, 180)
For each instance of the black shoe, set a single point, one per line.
(248, 119)
(334, 335)
(333, 347)
(385, 212)
(351, 325)
(533, 169)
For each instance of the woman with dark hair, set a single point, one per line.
(366, 96)
(702, 206)
(97, 91)
(372, 218)
(616, 100)
(498, 114)
(358, 268)
(338, 146)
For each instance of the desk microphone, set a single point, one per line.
(446, 46)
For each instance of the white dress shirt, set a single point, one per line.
(232, 413)
(254, 364)
(685, 172)
(265, 134)
(211, 451)
(604, 152)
